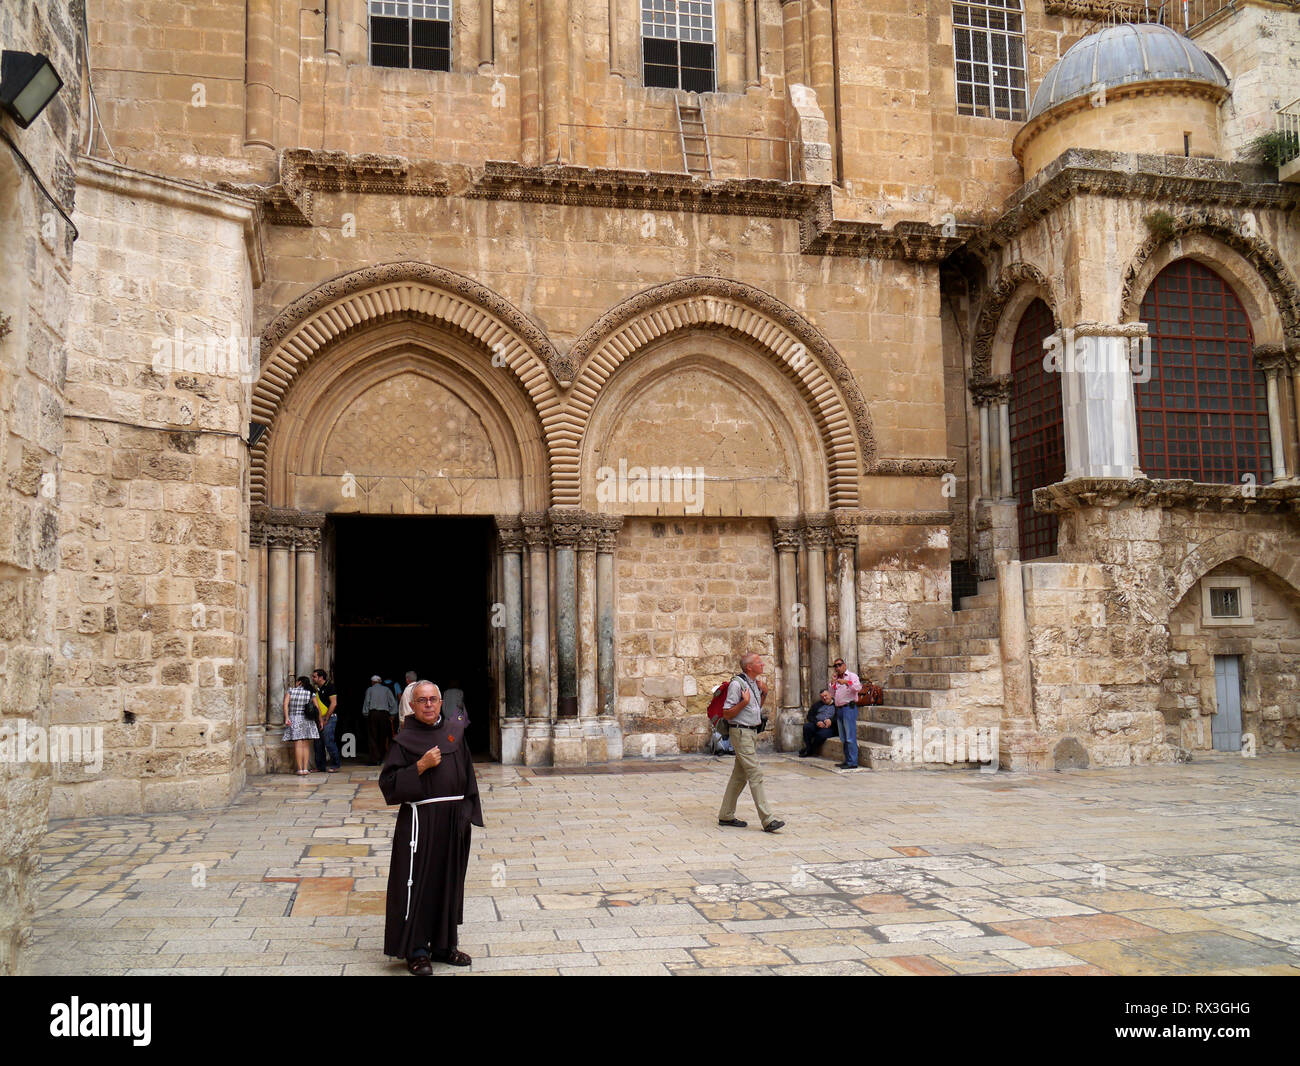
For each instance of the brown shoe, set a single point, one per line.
(453, 958)
(420, 966)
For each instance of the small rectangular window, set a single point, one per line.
(677, 46)
(1225, 603)
(415, 34)
(988, 42)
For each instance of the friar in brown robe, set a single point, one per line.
(429, 770)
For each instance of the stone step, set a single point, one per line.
(990, 585)
(971, 603)
(971, 646)
(908, 679)
(949, 664)
(881, 757)
(963, 631)
(977, 615)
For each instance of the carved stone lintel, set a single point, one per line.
(1078, 493)
(1110, 329)
(914, 467)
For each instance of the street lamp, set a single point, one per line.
(27, 83)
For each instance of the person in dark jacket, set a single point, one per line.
(820, 726)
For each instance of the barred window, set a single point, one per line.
(677, 44)
(410, 33)
(1204, 413)
(1037, 430)
(988, 41)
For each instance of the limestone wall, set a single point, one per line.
(1270, 661)
(692, 596)
(34, 284)
(152, 585)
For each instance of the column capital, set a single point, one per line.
(607, 529)
(280, 535)
(1272, 358)
(991, 390)
(786, 535)
(510, 532)
(844, 531)
(306, 538)
(536, 534)
(816, 530)
(567, 525)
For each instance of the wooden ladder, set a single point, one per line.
(695, 141)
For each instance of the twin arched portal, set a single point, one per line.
(358, 371)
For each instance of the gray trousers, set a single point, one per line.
(745, 771)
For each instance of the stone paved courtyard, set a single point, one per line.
(1147, 870)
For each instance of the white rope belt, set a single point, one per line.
(415, 840)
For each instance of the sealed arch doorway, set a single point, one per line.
(413, 593)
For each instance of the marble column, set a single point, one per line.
(511, 538)
(1294, 358)
(845, 534)
(485, 45)
(537, 737)
(789, 717)
(792, 32)
(306, 544)
(1004, 449)
(568, 746)
(588, 708)
(1272, 360)
(259, 73)
(821, 70)
(253, 715)
(986, 452)
(1095, 360)
(279, 543)
(817, 537)
(606, 692)
(752, 77)
(334, 27)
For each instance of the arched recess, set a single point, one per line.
(1260, 549)
(506, 344)
(1016, 287)
(821, 380)
(741, 423)
(360, 410)
(1262, 282)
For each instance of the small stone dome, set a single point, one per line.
(1121, 55)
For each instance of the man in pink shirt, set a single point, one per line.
(845, 687)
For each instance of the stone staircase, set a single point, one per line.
(953, 679)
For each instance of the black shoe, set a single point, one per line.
(804, 753)
(735, 822)
(773, 825)
(847, 766)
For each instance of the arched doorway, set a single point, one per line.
(1203, 415)
(1037, 430)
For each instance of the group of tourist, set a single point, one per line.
(310, 718)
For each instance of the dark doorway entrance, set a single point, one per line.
(413, 594)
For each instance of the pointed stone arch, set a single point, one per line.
(1258, 271)
(1015, 288)
(374, 296)
(1261, 548)
(822, 378)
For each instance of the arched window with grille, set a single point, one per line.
(1203, 414)
(1037, 430)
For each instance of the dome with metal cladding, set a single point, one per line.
(1122, 55)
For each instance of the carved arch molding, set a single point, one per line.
(1006, 285)
(1227, 230)
(564, 387)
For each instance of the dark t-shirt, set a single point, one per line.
(325, 691)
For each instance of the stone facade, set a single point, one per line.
(297, 263)
(35, 290)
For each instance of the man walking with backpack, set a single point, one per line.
(743, 711)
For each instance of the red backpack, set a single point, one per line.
(719, 698)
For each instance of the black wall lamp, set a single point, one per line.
(28, 83)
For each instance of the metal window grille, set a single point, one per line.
(410, 33)
(677, 44)
(988, 41)
(1204, 413)
(1037, 430)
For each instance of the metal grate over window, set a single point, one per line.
(410, 33)
(1204, 413)
(1037, 430)
(677, 44)
(988, 41)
